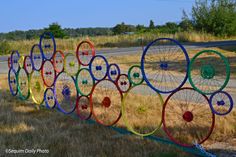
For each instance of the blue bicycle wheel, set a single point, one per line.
(36, 56)
(14, 60)
(49, 98)
(164, 65)
(113, 72)
(12, 82)
(65, 93)
(48, 45)
(221, 103)
(98, 67)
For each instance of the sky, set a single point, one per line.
(38, 14)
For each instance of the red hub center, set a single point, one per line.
(106, 102)
(188, 116)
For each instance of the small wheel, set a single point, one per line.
(71, 64)
(48, 73)
(123, 83)
(84, 82)
(37, 87)
(187, 117)
(48, 45)
(164, 65)
(221, 103)
(36, 56)
(14, 60)
(209, 72)
(142, 112)
(135, 75)
(58, 61)
(49, 98)
(113, 72)
(105, 101)
(12, 82)
(83, 107)
(23, 84)
(65, 93)
(98, 67)
(28, 65)
(85, 52)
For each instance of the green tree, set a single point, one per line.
(151, 24)
(123, 28)
(186, 24)
(217, 17)
(56, 29)
(4, 47)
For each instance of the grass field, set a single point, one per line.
(24, 46)
(25, 125)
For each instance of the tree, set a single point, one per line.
(186, 24)
(123, 28)
(217, 17)
(56, 30)
(151, 24)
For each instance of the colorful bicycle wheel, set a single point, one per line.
(12, 82)
(113, 72)
(209, 72)
(48, 45)
(221, 103)
(48, 73)
(21, 61)
(98, 67)
(142, 110)
(37, 87)
(49, 98)
(15, 57)
(71, 64)
(187, 117)
(84, 82)
(164, 65)
(105, 102)
(83, 107)
(36, 56)
(28, 65)
(23, 84)
(58, 61)
(123, 83)
(65, 93)
(85, 52)
(135, 75)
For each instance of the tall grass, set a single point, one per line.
(24, 46)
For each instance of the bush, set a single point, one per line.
(4, 47)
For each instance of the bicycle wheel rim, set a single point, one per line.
(23, 84)
(84, 82)
(58, 61)
(83, 107)
(49, 98)
(36, 56)
(113, 72)
(12, 82)
(71, 64)
(123, 83)
(85, 52)
(135, 75)
(48, 45)
(48, 73)
(28, 65)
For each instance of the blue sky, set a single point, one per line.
(35, 14)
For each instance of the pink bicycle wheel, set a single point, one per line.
(48, 73)
(83, 107)
(85, 52)
(58, 61)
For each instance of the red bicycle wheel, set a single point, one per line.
(28, 65)
(83, 107)
(58, 61)
(105, 102)
(123, 83)
(48, 73)
(85, 52)
(187, 117)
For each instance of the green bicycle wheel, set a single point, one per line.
(142, 110)
(71, 64)
(209, 72)
(23, 84)
(135, 75)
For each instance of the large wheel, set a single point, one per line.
(12, 82)
(98, 67)
(142, 109)
(164, 65)
(187, 117)
(209, 72)
(85, 52)
(65, 93)
(84, 82)
(36, 56)
(23, 84)
(37, 87)
(48, 45)
(105, 101)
